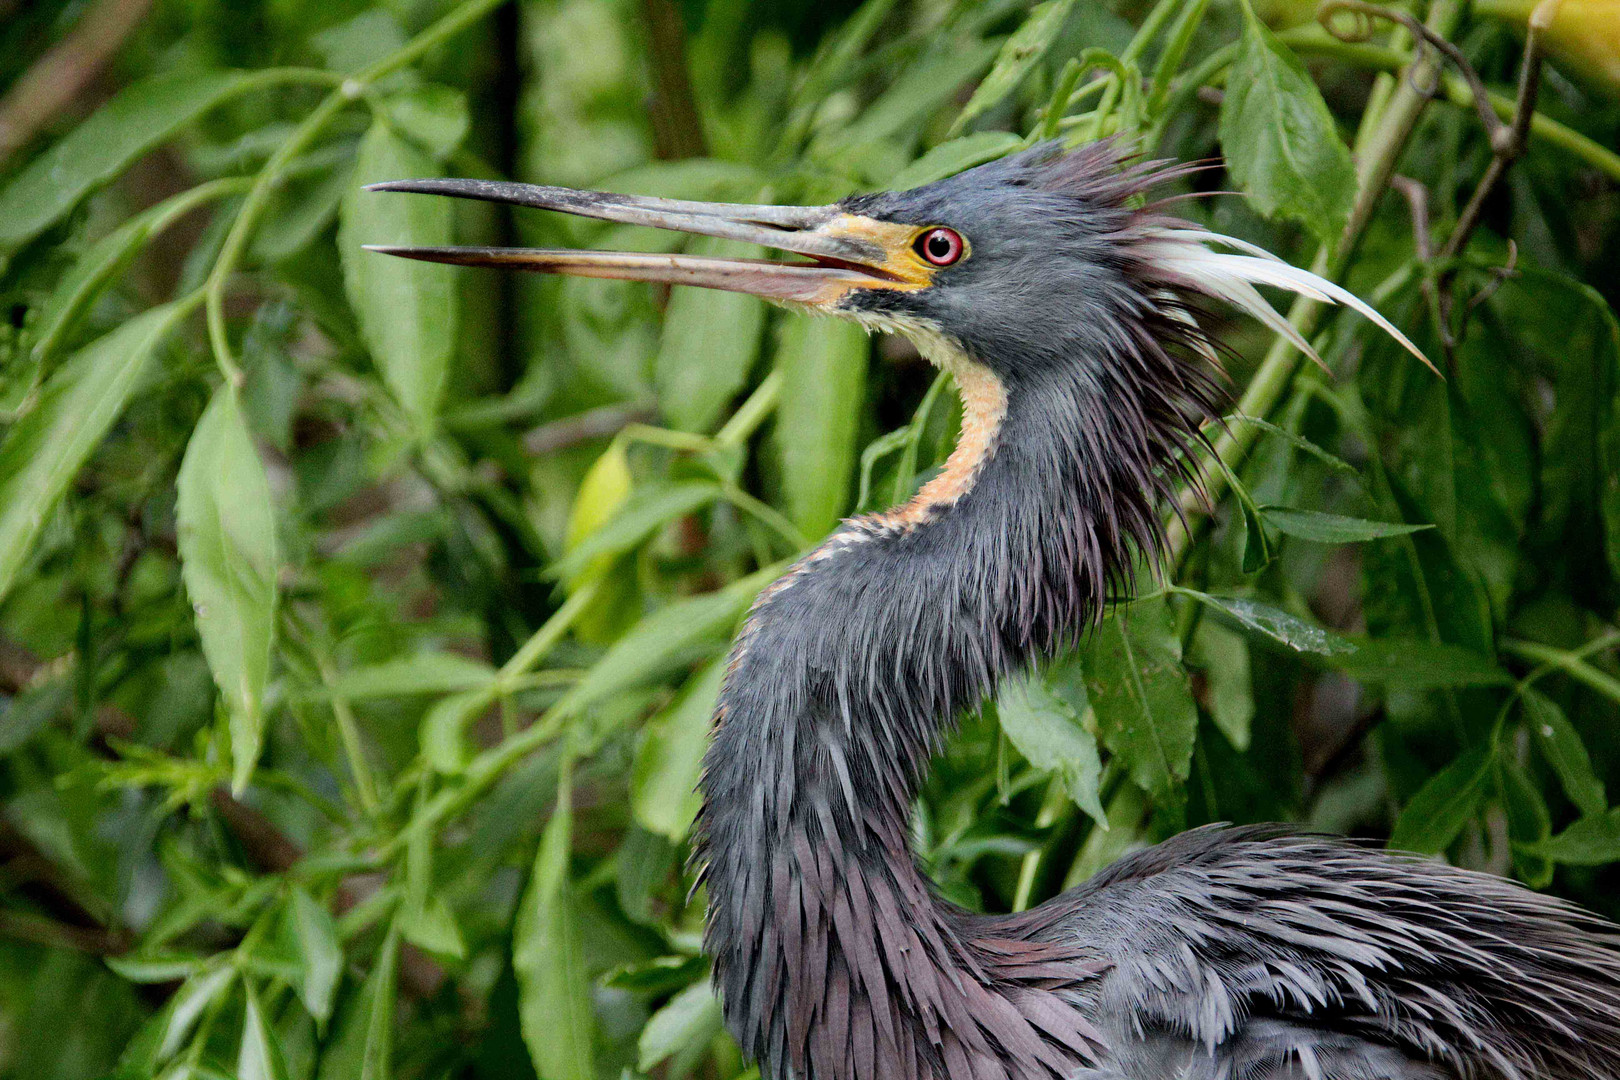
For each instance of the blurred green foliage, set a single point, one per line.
(361, 620)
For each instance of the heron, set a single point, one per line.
(1069, 311)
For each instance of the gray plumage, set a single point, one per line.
(1069, 318)
(1227, 954)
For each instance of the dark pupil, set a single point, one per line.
(938, 246)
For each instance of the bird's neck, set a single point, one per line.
(850, 670)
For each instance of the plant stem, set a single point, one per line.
(1571, 662)
(747, 419)
(348, 90)
(543, 640)
(349, 734)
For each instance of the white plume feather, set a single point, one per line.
(1182, 254)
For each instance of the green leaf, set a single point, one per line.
(1280, 141)
(434, 117)
(689, 1019)
(607, 484)
(138, 118)
(669, 634)
(660, 975)
(149, 970)
(1047, 732)
(300, 210)
(1408, 664)
(709, 345)
(356, 44)
(443, 732)
(61, 312)
(421, 673)
(923, 87)
(823, 366)
(1433, 817)
(1138, 691)
(362, 1047)
(1332, 528)
(1298, 442)
(602, 493)
(1257, 553)
(43, 451)
(188, 1005)
(1274, 623)
(1019, 53)
(1563, 749)
(950, 158)
(1591, 841)
(663, 782)
(408, 309)
(647, 510)
(260, 1056)
(1223, 656)
(1528, 821)
(314, 940)
(227, 538)
(431, 925)
(554, 1002)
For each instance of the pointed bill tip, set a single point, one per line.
(394, 185)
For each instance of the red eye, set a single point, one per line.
(940, 246)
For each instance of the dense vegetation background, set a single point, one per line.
(359, 619)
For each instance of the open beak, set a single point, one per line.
(843, 252)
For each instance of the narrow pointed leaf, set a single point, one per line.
(1417, 665)
(709, 345)
(227, 539)
(315, 940)
(823, 364)
(688, 1020)
(1529, 822)
(1332, 528)
(554, 1002)
(61, 312)
(188, 1006)
(950, 158)
(1019, 53)
(608, 483)
(1443, 806)
(663, 784)
(260, 1056)
(1274, 623)
(362, 1047)
(645, 512)
(1591, 841)
(1560, 744)
(138, 118)
(431, 925)
(672, 633)
(408, 310)
(423, 673)
(443, 731)
(44, 451)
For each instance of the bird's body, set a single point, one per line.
(1068, 320)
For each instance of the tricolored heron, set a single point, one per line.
(1068, 320)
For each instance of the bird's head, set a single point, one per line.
(1035, 260)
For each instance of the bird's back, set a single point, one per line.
(1252, 954)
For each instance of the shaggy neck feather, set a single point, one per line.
(829, 944)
